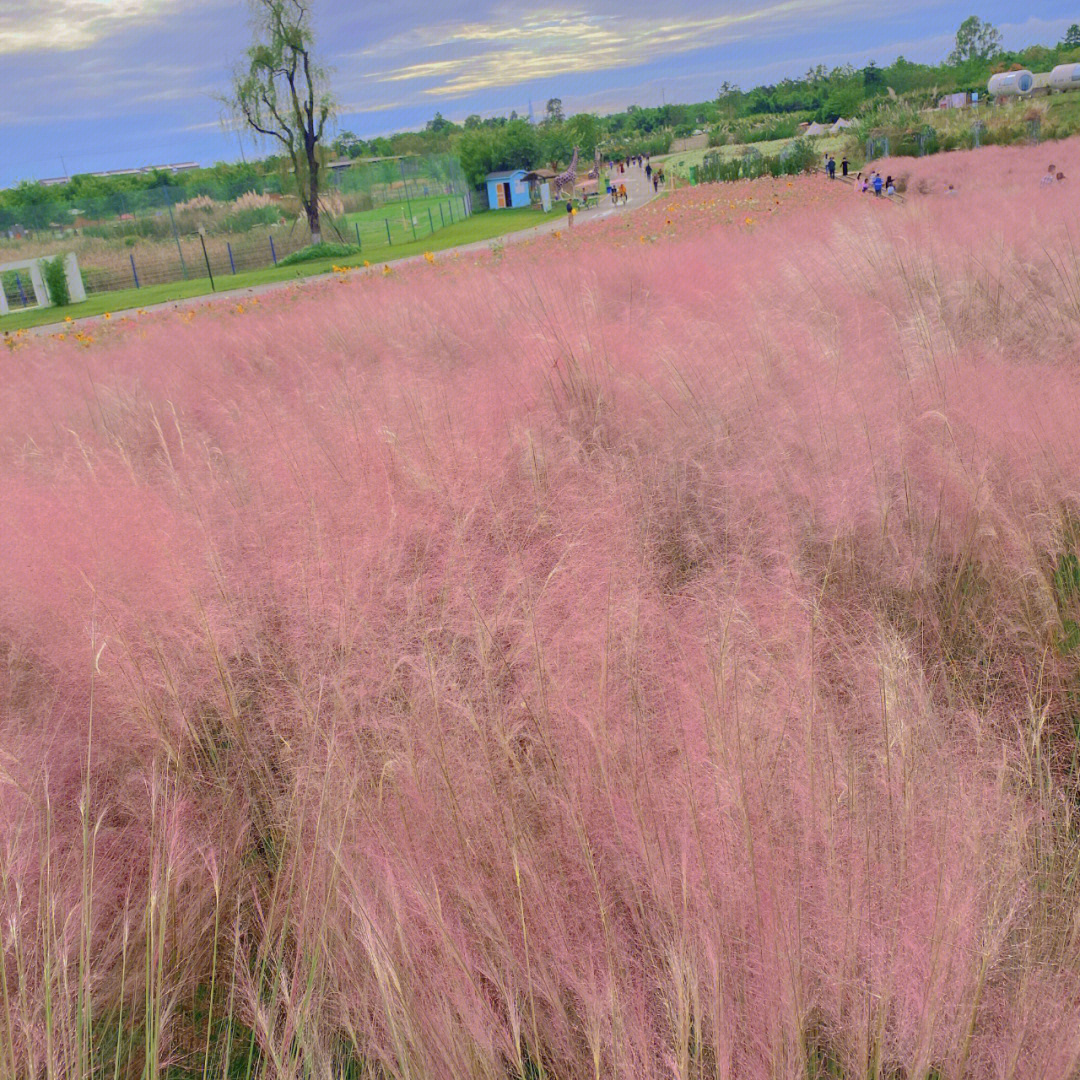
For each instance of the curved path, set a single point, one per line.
(639, 191)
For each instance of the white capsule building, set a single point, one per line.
(1024, 83)
(1011, 84)
(1065, 77)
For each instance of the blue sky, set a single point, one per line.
(100, 84)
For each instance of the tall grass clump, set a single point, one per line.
(665, 667)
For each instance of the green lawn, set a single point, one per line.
(482, 226)
(390, 225)
(681, 163)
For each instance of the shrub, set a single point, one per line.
(319, 251)
(249, 218)
(56, 283)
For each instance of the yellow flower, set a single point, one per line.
(429, 256)
(61, 337)
(366, 263)
(386, 269)
(107, 315)
(68, 318)
(749, 221)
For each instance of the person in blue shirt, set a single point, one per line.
(878, 183)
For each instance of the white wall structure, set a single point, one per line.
(76, 291)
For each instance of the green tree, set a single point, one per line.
(1072, 36)
(472, 121)
(583, 130)
(554, 111)
(975, 40)
(281, 94)
(873, 77)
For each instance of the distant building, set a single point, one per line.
(507, 189)
(176, 167)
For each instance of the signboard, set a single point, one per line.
(545, 197)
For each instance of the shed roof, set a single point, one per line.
(506, 174)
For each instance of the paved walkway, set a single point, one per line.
(638, 191)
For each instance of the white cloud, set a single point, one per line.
(519, 47)
(63, 25)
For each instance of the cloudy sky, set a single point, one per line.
(100, 84)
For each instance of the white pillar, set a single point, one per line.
(41, 294)
(74, 279)
(3, 302)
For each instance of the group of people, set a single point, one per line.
(637, 159)
(655, 175)
(830, 166)
(1052, 176)
(875, 183)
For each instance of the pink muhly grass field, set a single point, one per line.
(651, 652)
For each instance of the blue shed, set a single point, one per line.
(507, 189)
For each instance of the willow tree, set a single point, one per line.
(281, 93)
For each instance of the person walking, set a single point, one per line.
(656, 184)
(830, 168)
(648, 172)
(844, 167)
(570, 213)
(878, 184)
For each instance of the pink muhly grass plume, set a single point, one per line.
(665, 667)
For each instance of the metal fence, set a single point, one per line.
(151, 237)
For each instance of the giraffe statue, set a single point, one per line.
(567, 178)
(594, 172)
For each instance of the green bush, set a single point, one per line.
(319, 251)
(244, 220)
(52, 270)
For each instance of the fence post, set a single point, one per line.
(388, 240)
(134, 272)
(431, 221)
(273, 253)
(231, 262)
(450, 205)
(442, 216)
(176, 235)
(359, 242)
